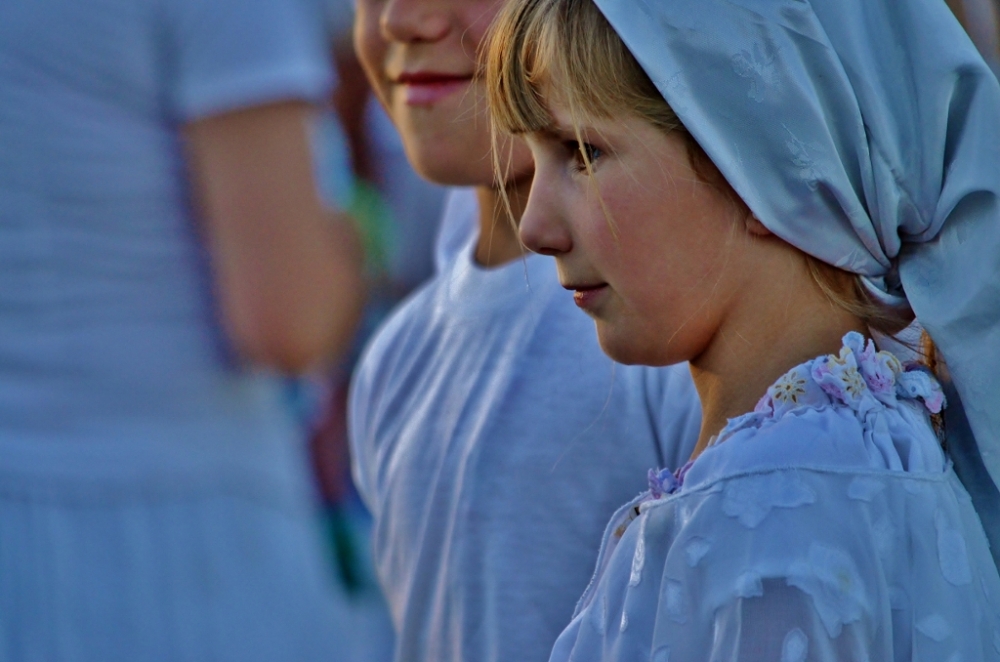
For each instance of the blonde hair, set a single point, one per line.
(533, 42)
(567, 48)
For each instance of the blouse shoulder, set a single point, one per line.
(799, 534)
(860, 409)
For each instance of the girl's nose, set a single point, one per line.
(542, 228)
(414, 21)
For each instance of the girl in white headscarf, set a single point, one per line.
(759, 187)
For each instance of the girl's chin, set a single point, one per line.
(449, 168)
(618, 345)
(628, 347)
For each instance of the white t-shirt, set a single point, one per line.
(457, 228)
(492, 440)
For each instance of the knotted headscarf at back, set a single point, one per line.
(867, 134)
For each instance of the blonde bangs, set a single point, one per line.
(564, 50)
(515, 66)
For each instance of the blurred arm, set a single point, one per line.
(287, 271)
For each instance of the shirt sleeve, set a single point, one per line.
(223, 55)
(360, 408)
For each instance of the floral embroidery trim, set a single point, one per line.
(858, 376)
(789, 388)
(664, 481)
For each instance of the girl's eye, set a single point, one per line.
(593, 153)
(584, 153)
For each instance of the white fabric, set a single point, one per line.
(458, 227)
(155, 500)
(108, 329)
(492, 439)
(826, 526)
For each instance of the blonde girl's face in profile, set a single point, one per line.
(652, 252)
(421, 59)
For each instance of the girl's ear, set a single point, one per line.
(755, 227)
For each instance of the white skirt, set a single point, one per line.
(131, 571)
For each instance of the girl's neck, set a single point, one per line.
(766, 334)
(498, 241)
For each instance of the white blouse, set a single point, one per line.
(827, 525)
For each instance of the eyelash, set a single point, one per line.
(593, 154)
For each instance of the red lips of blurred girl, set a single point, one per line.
(425, 88)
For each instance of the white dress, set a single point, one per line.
(826, 525)
(155, 501)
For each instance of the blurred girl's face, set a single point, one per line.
(659, 277)
(420, 56)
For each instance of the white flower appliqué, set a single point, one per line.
(795, 647)
(934, 627)
(830, 577)
(752, 498)
(952, 553)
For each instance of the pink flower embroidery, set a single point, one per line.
(858, 376)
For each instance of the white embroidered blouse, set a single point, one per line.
(827, 525)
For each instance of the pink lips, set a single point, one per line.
(425, 88)
(587, 297)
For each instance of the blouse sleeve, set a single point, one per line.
(222, 55)
(794, 565)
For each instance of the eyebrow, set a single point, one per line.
(554, 131)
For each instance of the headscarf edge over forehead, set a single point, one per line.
(867, 134)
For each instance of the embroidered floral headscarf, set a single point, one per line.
(867, 134)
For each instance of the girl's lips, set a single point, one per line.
(425, 88)
(589, 297)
